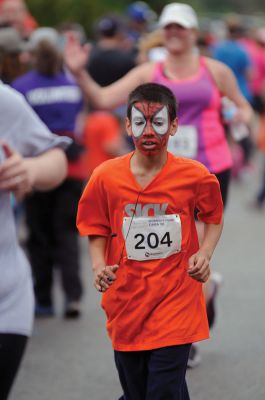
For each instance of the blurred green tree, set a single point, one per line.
(53, 12)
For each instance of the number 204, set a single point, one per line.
(153, 240)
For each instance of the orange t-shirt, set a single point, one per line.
(101, 128)
(153, 303)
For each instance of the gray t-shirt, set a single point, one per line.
(21, 128)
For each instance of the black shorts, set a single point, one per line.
(258, 104)
(224, 180)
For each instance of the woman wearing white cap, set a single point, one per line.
(197, 82)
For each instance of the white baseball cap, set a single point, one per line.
(11, 41)
(44, 33)
(178, 13)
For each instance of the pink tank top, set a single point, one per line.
(200, 135)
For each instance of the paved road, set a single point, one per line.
(72, 360)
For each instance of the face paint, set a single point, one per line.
(160, 121)
(141, 115)
(150, 127)
(138, 122)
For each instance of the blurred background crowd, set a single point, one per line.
(32, 40)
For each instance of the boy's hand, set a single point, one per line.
(104, 277)
(199, 268)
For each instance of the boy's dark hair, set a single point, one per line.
(153, 93)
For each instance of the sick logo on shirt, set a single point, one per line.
(145, 210)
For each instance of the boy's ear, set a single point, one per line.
(128, 126)
(173, 127)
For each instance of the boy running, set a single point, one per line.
(138, 212)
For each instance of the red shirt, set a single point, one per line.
(153, 303)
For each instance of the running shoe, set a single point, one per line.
(216, 281)
(43, 311)
(72, 310)
(194, 357)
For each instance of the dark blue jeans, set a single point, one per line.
(154, 374)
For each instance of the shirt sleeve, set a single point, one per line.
(92, 214)
(23, 129)
(209, 200)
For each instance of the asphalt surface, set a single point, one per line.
(72, 360)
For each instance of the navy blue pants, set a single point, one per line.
(53, 240)
(154, 374)
(12, 347)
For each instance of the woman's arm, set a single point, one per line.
(227, 84)
(108, 97)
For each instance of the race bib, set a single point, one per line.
(185, 142)
(151, 238)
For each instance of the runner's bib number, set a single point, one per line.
(151, 238)
(185, 142)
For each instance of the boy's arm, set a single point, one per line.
(199, 268)
(104, 275)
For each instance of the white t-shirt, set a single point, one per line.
(21, 128)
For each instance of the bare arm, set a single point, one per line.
(115, 94)
(76, 58)
(227, 84)
(21, 175)
(48, 170)
(104, 275)
(199, 268)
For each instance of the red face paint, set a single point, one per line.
(150, 127)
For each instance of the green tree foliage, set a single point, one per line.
(53, 12)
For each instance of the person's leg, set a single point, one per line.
(66, 243)
(166, 373)
(132, 369)
(224, 179)
(39, 215)
(247, 147)
(211, 287)
(261, 194)
(12, 348)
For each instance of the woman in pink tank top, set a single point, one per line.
(200, 133)
(198, 84)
